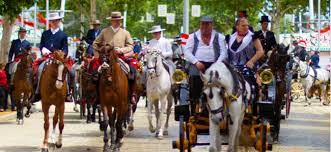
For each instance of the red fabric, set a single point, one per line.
(70, 62)
(95, 63)
(134, 63)
(3, 79)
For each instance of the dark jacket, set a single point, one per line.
(301, 53)
(315, 59)
(267, 42)
(92, 34)
(17, 47)
(53, 42)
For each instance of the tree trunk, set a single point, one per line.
(5, 40)
(93, 10)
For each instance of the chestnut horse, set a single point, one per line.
(113, 86)
(53, 90)
(23, 90)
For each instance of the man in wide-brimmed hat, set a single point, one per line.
(301, 51)
(266, 37)
(18, 45)
(51, 40)
(92, 35)
(122, 42)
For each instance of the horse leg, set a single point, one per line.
(233, 131)
(119, 130)
(324, 94)
(28, 106)
(169, 105)
(214, 133)
(55, 120)
(93, 111)
(160, 122)
(88, 119)
(105, 126)
(45, 109)
(113, 116)
(19, 113)
(149, 116)
(58, 144)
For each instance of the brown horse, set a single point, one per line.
(53, 90)
(22, 91)
(89, 85)
(277, 62)
(113, 86)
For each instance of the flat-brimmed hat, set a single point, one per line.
(206, 19)
(264, 18)
(115, 16)
(95, 22)
(302, 44)
(22, 29)
(54, 16)
(177, 38)
(156, 28)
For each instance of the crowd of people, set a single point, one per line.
(243, 48)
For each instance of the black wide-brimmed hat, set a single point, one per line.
(264, 18)
(22, 29)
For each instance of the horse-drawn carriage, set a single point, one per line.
(261, 119)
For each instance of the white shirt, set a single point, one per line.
(205, 52)
(54, 30)
(164, 45)
(264, 33)
(115, 29)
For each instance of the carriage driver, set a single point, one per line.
(203, 48)
(118, 37)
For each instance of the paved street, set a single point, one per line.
(307, 130)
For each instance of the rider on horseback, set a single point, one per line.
(203, 48)
(51, 40)
(121, 40)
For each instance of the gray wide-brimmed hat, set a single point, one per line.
(54, 16)
(206, 19)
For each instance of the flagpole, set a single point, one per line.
(47, 14)
(35, 24)
(319, 25)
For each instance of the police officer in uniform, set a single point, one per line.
(266, 37)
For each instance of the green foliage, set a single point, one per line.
(13, 8)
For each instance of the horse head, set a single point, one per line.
(26, 57)
(153, 60)
(109, 58)
(59, 60)
(213, 94)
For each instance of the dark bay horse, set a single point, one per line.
(23, 89)
(277, 62)
(113, 86)
(89, 82)
(53, 91)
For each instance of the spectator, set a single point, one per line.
(3, 88)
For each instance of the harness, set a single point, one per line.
(238, 89)
(307, 73)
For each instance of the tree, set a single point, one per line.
(10, 9)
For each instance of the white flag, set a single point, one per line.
(162, 10)
(196, 10)
(171, 18)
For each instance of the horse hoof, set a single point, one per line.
(27, 115)
(152, 129)
(101, 126)
(309, 103)
(130, 127)
(44, 149)
(159, 137)
(20, 122)
(88, 121)
(326, 104)
(76, 109)
(58, 145)
(106, 148)
(165, 132)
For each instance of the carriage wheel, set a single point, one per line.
(288, 103)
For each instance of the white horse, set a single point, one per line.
(307, 79)
(219, 83)
(158, 91)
